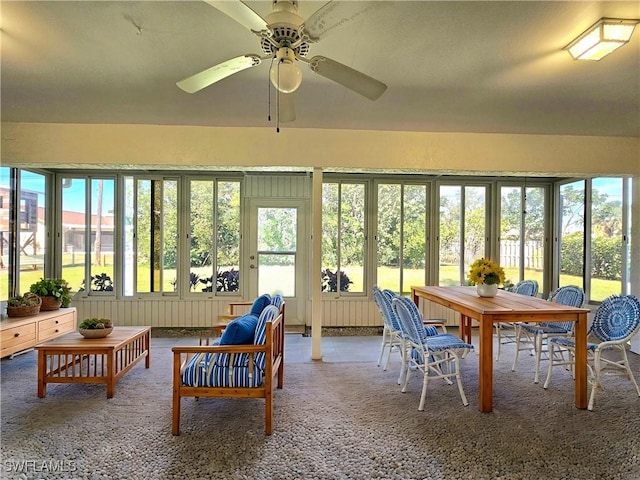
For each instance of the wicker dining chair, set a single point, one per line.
(506, 331)
(391, 334)
(616, 320)
(536, 335)
(436, 356)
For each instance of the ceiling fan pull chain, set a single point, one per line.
(269, 95)
(278, 101)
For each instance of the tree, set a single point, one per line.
(572, 208)
(513, 211)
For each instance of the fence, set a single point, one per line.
(533, 254)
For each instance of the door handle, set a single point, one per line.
(252, 266)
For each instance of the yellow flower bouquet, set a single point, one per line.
(485, 271)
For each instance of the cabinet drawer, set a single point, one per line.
(53, 327)
(18, 338)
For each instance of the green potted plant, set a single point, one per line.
(95, 327)
(23, 305)
(55, 292)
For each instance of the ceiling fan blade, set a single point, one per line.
(333, 15)
(241, 13)
(287, 107)
(348, 77)
(197, 82)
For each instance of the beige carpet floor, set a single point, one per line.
(332, 421)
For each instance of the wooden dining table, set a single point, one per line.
(507, 307)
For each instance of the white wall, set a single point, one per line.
(149, 146)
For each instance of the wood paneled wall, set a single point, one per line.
(169, 312)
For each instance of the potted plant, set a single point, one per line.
(23, 305)
(95, 327)
(486, 275)
(55, 292)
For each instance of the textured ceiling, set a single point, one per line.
(450, 66)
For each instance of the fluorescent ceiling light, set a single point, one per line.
(602, 38)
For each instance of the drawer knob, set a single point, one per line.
(56, 322)
(16, 335)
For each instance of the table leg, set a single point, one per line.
(111, 382)
(147, 346)
(580, 368)
(465, 328)
(42, 370)
(485, 399)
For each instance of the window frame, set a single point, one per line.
(366, 182)
(185, 247)
(403, 183)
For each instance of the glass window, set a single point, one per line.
(74, 232)
(401, 236)
(534, 234)
(277, 249)
(450, 235)
(5, 202)
(474, 227)
(215, 236)
(24, 230)
(462, 231)
(152, 211)
(88, 240)
(202, 242)
(571, 234)
(32, 229)
(228, 235)
(522, 211)
(389, 236)
(343, 237)
(102, 235)
(607, 237)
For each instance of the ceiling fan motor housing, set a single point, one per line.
(285, 25)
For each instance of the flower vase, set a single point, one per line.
(486, 290)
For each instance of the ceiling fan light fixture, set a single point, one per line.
(285, 75)
(602, 38)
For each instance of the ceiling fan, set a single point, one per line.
(285, 38)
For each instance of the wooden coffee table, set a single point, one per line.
(75, 359)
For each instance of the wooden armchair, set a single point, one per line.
(235, 371)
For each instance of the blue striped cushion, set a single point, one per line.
(212, 369)
(277, 300)
(192, 374)
(539, 329)
(430, 330)
(268, 315)
(239, 377)
(203, 371)
(570, 342)
(446, 341)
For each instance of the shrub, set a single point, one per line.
(330, 281)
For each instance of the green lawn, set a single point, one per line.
(387, 278)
